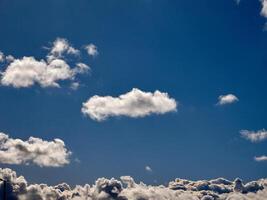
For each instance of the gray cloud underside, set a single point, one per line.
(127, 189)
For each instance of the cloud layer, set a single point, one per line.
(135, 103)
(127, 189)
(227, 99)
(49, 72)
(33, 151)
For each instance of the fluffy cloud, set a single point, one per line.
(260, 158)
(60, 47)
(227, 99)
(135, 103)
(28, 71)
(253, 136)
(33, 151)
(127, 189)
(264, 8)
(91, 50)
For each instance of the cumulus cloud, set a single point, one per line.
(135, 103)
(49, 72)
(127, 189)
(33, 151)
(227, 99)
(264, 8)
(91, 50)
(260, 158)
(253, 136)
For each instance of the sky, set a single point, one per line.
(154, 89)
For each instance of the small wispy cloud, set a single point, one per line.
(227, 99)
(260, 158)
(91, 50)
(253, 136)
(148, 168)
(237, 2)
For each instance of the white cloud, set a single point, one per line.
(28, 71)
(147, 168)
(91, 50)
(2, 57)
(33, 151)
(135, 103)
(127, 189)
(253, 136)
(10, 58)
(59, 48)
(227, 99)
(237, 2)
(260, 158)
(264, 8)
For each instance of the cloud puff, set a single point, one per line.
(253, 136)
(2, 57)
(147, 168)
(127, 189)
(60, 47)
(91, 50)
(227, 99)
(33, 151)
(135, 103)
(264, 8)
(28, 71)
(260, 158)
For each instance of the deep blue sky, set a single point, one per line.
(194, 50)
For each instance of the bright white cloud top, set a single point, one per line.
(33, 151)
(28, 71)
(227, 99)
(135, 103)
(253, 136)
(260, 158)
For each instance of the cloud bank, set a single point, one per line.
(28, 71)
(135, 103)
(227, 99)
(127, 189)
(33, 151)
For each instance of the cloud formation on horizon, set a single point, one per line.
(227, 99)
(127, 189)
(27, 71)
(135, 103)
(33, 151)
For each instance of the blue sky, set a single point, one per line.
(193, 50)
